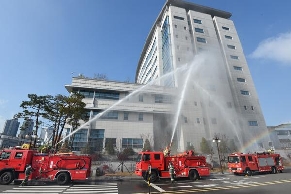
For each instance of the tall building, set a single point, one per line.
(11, 127)
(197, 50)
(192, 82)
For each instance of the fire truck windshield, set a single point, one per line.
(233, 159)
(138, 159)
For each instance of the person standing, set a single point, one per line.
(171, 172)
(28, 171)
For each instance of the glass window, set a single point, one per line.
(233, 57)
(175, 25)
(163, 98)
(5, 155)
(197, 21)
(244, 92)
(241, 79)
(18, 155)
(231, 46)
(125, 116)
(157, 157)
(282, 132)
(198, 120)
(110, 115)
(178, 17)
(253, 123)
(228, 37)
(203, 40)
(146, 157)
(132, 143)
(237, 68)
(245, 107)
(185, 119)
(250, 158)
(225, 28)
(200, 30)
(140, 98)
(140, 116)
(233, 159)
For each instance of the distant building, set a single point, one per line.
(280, 136)
(8, 141)
(11, 127)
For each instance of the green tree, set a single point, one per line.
(109, 146)
(56, 115)
(125, 154)
(75, 111)
(147, 145)
(87, 149)
(34, 108)
(204, 146)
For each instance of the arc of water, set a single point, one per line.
(122, 100)
(198, 60)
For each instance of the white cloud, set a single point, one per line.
(275, 48)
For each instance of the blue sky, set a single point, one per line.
(43, 43)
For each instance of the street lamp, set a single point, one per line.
(217, 140)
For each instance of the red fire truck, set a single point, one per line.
(240, 163)
(63, 168)
(185, 165)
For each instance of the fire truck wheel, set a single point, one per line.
(193, 175)
(63, 178)
(248, 172)
(154, 176)
(274, 170)
(6, 178)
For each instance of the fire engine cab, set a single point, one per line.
(242, 163)
(156, 165)
(63, 167)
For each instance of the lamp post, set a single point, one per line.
(217, 140)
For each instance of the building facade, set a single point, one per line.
(281, 136)
(123, 113)
(197, 50)
(11, 127)
(8, 141)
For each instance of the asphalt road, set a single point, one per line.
(217, 183)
